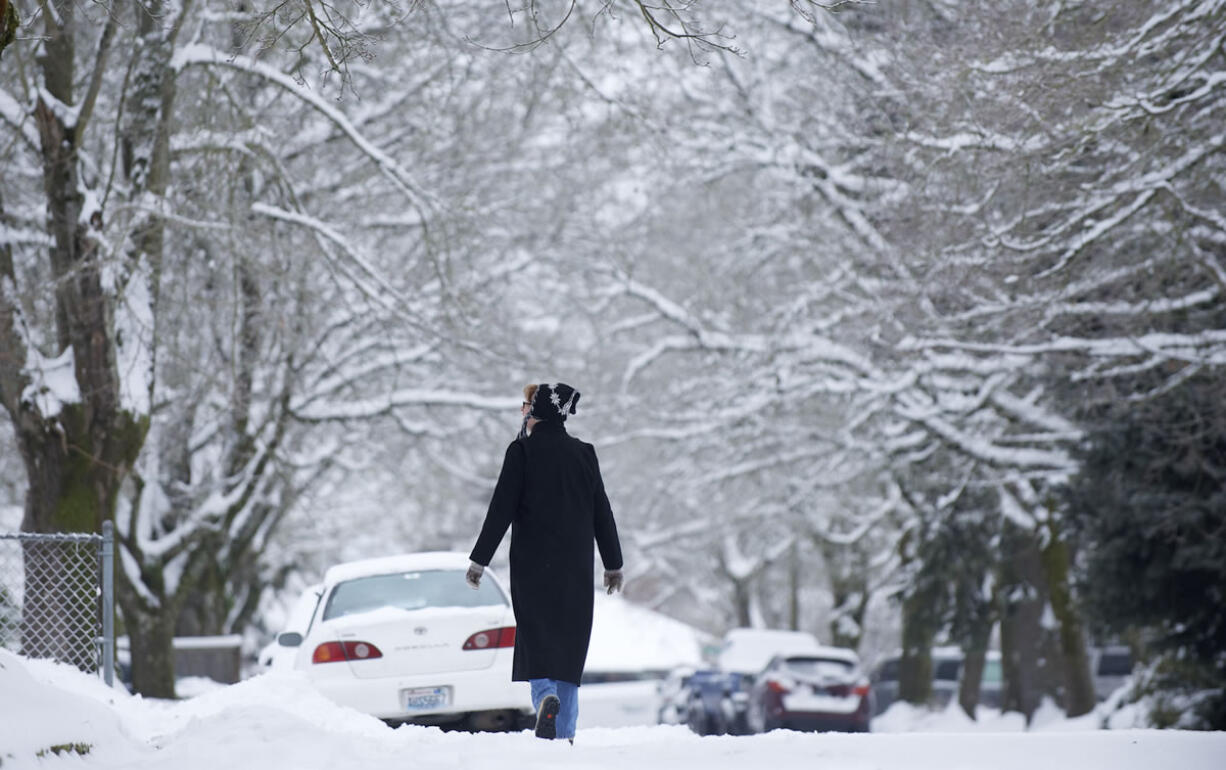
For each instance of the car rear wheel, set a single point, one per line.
(760, 721)
(698, 717)
(756, 718)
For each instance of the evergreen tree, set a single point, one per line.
(1150, 505)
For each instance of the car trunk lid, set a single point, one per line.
(421, 641)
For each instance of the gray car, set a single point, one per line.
(1111, 667)
(946, 680)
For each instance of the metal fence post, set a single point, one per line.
(108, 603)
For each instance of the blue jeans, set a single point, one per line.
(568, 697)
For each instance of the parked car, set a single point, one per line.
(276, 655)
(619, 698)
(823, 691)
(405, 639)
(674, 694)
(718, 698)
(716, 702)
(992, 683)
(946, 676)
(946, 680)
(1111, 666)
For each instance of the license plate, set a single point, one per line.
(425, 698)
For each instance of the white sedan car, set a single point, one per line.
(405, 639)
(275, 656)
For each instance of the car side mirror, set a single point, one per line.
(289, 639)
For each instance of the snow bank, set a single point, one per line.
(39, 715)
(278, 721)
(285, 694)
(902, 717)
(627, 637)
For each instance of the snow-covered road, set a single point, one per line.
(277, 721)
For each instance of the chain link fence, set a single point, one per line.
(57, 598)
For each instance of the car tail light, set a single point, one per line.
(334, 652)
(774, 685)
(491, 639)
(861, 690)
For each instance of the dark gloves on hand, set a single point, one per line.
(473, 577)
(613, 580)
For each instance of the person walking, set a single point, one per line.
(551, 495)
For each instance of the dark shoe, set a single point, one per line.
(547, 717)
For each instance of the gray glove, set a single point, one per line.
(473, 577)
(613, 580)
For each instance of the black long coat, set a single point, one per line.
(552, 496)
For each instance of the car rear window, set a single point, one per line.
(818, 666)
(1115, 664)
(410, 591)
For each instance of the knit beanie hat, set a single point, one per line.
(554, 401)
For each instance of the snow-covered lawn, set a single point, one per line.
(277, 721)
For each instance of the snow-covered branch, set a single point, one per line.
(20, 119)
(202, 55)
(374, 407)
(1204, 347)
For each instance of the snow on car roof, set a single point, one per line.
(748, 650)
(829, 653)
(392, 564)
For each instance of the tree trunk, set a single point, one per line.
(1021, 611)
(849, 591)
(233, 570)
(794, 587)
(207, 606)
(742, 598)
(915, 666)
(247, 585)
(9, 23)
(975, 653)
(976, 616)
(1079, 697)
(850, 604)
(76, 447)
(152, 647)
(145, 144)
